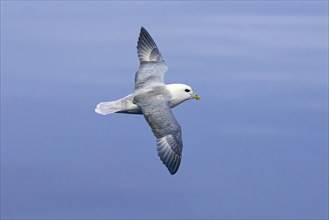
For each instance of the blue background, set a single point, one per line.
(255, 145)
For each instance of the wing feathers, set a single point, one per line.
(147, 49)
(168, 156)
(165, 128)
(152, 66)
(155, 103)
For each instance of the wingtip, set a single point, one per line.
(173, 169)
(173, 172)
(147, 49)
(143, 31)
(168, 156)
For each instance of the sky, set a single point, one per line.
(255, 145)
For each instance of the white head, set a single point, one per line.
(181, 93)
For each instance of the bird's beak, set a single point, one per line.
(195, 96)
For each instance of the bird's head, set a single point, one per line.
(181, 93)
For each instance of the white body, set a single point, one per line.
(126, 104)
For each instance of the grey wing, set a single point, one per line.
(167, 132)
(152, 65)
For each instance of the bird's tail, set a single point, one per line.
(124, 105)
(105, 108)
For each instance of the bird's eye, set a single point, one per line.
(187, 90)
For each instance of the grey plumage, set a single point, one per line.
(152, 65)
(155, 103)
(155, 106)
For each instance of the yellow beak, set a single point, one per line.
(195, 96)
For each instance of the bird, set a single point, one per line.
(154, 99)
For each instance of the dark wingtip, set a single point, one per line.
(146, 48)
(143, 31)
(173, 172)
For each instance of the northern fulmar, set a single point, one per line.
(154, 99)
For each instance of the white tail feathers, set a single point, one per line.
(105, 108)
(124, 105)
